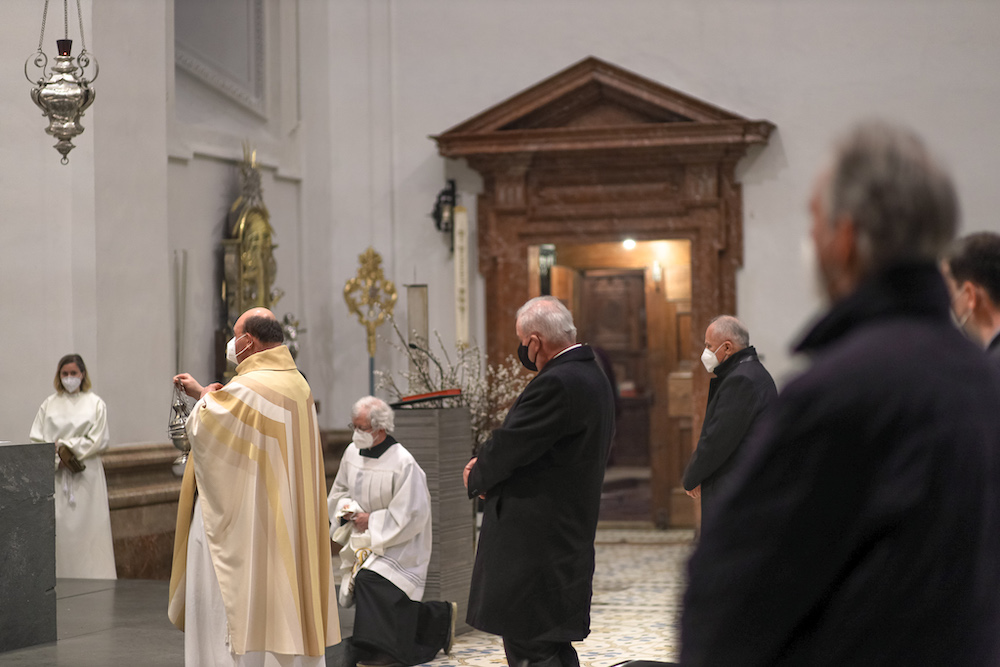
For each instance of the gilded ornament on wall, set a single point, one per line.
(248, 254)
(369, 295)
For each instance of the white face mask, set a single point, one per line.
(812, 271)
(71, 382)
(231, 351)
(960, 322)
(363, 439)
(709, 360)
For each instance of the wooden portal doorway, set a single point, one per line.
(596, 154)
(632, 303)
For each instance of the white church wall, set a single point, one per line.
(130, 210)
(292, 137)
(353, 91)
(201, 190)
(226, 96)
(362, 178)
(36, 256)
(84, 272)
(385, 176)
(315, 269)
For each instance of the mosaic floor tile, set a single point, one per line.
(638, 586)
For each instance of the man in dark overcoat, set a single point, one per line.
(738, 395)
(864, 524)
(541, 474)
(971, 269)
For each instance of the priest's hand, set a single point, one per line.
(695, 492)
(190, 386)
(360, 520)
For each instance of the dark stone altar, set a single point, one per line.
(441, 442)
(28, 554)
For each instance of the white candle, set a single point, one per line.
(461, 275)
(417, 328)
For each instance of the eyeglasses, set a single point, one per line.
(352, 427)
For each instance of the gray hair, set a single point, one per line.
(380, 415)
(731, 328)
(549, 318)
(900, 199)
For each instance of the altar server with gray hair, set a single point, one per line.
(380, 511)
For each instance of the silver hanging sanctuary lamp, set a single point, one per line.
(63, 92)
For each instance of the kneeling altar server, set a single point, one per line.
(381, 513)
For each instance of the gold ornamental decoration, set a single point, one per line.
(370, 296)
(248, 254)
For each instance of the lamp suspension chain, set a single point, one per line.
(66, 18)
(83, 42)
(45, 13)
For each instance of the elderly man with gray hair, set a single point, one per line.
(738, 395)
(541, 474)
(864, 524)
(380, 512)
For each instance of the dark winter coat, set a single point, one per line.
(864, 523)
(542, 472)
(994, 349)
(738, 395)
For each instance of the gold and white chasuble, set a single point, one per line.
(258, 471)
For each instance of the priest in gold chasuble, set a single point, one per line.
(251, 582)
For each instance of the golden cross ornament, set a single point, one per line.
(369, 295)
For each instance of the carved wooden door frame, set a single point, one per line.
(594, 154)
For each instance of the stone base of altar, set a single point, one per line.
(441, 442)
(28, 548)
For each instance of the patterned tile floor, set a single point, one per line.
(638, 586)
(637, 592)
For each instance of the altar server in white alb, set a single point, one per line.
(76, 417)
(381, 513)
(252, 581)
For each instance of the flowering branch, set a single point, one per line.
(487, 393)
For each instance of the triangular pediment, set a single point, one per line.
(593, 93)
(594, 104)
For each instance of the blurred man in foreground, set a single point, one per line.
(864, 526)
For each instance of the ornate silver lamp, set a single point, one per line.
(64, 92)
